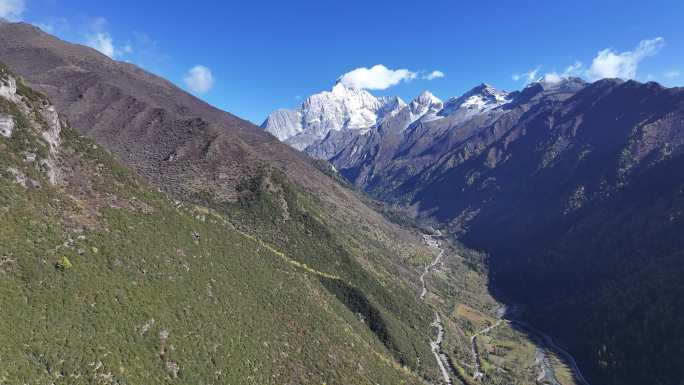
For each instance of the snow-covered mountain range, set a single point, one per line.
(365, 136)
(345, 112)
(341, 108)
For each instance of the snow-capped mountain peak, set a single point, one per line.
(426, 98)
(283, 123)
(339, 89)
(479, 99)
(391, 106)
(424, 104)
(339, 109)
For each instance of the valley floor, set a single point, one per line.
(479, 341)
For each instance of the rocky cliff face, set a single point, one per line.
(44, 123)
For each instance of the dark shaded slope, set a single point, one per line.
(579, 204)
(620, 267)
(575, 190)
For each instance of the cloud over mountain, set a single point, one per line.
(377, 77)
(434, 75)
(12, 9)
(199, 79)
(611, 64)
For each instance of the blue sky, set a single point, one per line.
(250, 57)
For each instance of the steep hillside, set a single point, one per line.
(266, 190)
(178, 142)
(106, 280)
(583, 198)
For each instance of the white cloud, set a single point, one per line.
(553, 77)
(99, 38)
(434, 75)
(572, 70)
(377, 77)
(607, 64)
(102, 42)
(12, 9)
(199, 79)
(528, 76)
(673, 74)
(611, 64)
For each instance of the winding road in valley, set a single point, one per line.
(431, 242)
(436, 344)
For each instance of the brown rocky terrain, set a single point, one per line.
(180, 143)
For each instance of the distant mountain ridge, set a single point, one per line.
(325, 122)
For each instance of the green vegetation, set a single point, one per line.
(104, 280)
(64, 264)
(294, 221)
(508, 356)
(111, 281)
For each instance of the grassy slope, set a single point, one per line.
(293, 221)
(226, 308)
